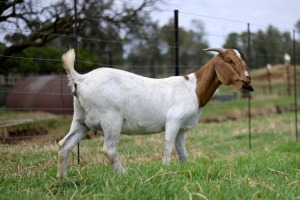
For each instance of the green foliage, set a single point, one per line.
(41, 65)
(233, 41)
(267, 46)
(158, 49)
(102, 30)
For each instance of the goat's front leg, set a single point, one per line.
(170, 135)
(75, 134)
(180, 147)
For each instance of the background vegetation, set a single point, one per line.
(115, 34)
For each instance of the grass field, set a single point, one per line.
(220, 166)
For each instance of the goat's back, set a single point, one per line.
(144, 103)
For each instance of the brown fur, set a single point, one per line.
(205, 75)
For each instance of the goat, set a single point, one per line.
(117, 101)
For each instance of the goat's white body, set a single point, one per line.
(144, 104)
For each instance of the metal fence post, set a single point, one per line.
(249, 94)
(76, 62)
(176, 48)
(295, 86)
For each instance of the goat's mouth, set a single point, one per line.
(247, 86)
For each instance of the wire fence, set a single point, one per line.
(278, 84)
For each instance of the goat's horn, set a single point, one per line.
(219, 50)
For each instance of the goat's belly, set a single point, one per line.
(92, 123)
(141, 128)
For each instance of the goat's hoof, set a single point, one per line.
(122, 171)
(183, 160)
(60, 176)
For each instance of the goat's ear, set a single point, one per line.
(228, 76)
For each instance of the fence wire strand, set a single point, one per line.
(113, 42)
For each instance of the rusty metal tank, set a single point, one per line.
(49, 93)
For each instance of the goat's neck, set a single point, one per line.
(207, 82)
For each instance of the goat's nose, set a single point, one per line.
(249, 77)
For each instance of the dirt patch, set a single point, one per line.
(18, 132)
(277, 73)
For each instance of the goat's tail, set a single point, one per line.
(68, 60)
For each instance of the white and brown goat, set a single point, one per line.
(117, 101)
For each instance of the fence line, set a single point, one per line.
(217, 107)
(38, 109)
(121, 42)
(173, 47)
(128, 66)
(82, 38)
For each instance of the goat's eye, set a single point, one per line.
(230, 61)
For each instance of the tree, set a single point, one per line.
(297, 26)
(267, 46)
(158, 50)
(28, 23)
(233, 41)
(297, 29)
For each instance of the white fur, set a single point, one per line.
(144, 104)
(117, 101)
(246, 73)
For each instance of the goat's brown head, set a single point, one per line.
(231, 68)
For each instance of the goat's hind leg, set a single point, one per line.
(75, 134)
(111, 140)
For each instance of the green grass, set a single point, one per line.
(240, 106)
(220, 166)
